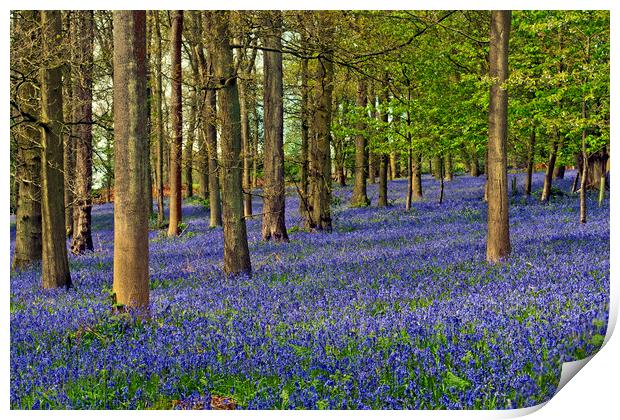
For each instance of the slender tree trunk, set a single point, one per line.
(236, 252)
(384, 162)
(437, 164)
(583, 211)
(188, 159)
(558, 172)
(530, 161)
(255, 141)
(160, 121)
(131, 216)
(417, 177)
(305, 124)
(55, 271)
(176, 108)
(71, 132)
(394, 165)
(383, 168)
(28, 246)
(274, 227)
(546, 192)
(83, 100)
(359, 197)
(246, 136)
(441, 182)
(498, 239)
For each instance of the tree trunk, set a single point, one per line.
(28, 246)
(246, 135)
(71, 132)
(558, 173)
(188, 159)
(236, 252)
(131, 215)
(437, 166)
(546, 192)
(394, 165)
(210, 130)
(176, 108)
(55, 271)
(305, 124)
(531, 150)
(417, 177)
(359, 198)
(498, 239)
(474, 168)
(583, 211)
(383, 169)
(82, 103)
(273, 227)
(160, 121)
(320, 159)
(441, 183)
(449, 175)
(384, 162)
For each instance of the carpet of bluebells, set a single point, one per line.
(393, 309)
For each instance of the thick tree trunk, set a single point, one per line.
(83, 101)
(359, 198)
(546, 192)
(236, 252)
(28, 246)
(448, 167)
(55, 271)
(394, 165)
(320, 160)
(498, 239)
(273, 227)
(131, 215)
(531, 150)
(176, 108)
(160, 121)
(474, 168)
(437, 166)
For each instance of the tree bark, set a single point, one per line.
(498, 238)
(384, 157)
(305, 124)
(55, 272)
(83, 100)
(583, 211)
(417, 177)
(236, 252)
(448, 175)
(320, 160)
(71, 132)
(28, 245)
(359, 198)
(209, 118)
(531, 150)
(160, 121)
(546, 192)
(273, 227)
(131, 228)
(176, 108)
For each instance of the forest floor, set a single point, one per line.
(393, 309)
